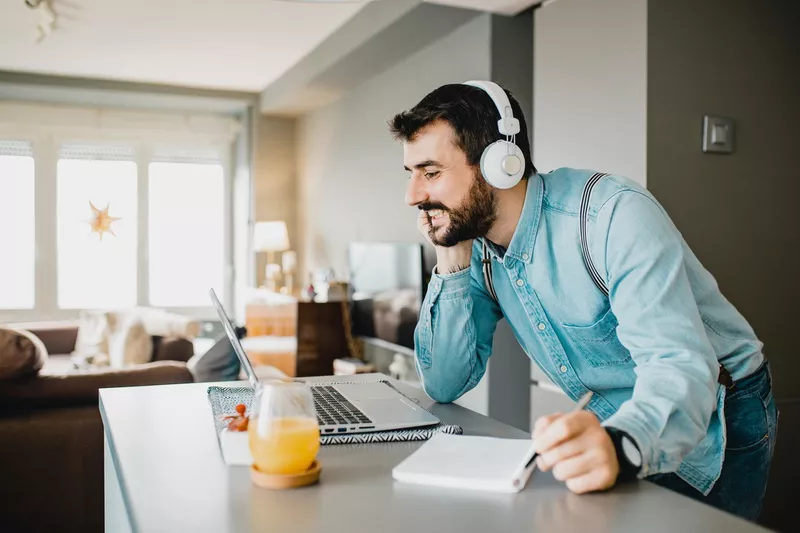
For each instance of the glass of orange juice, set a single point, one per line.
(283, 431)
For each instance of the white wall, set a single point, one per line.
(351, 178)
(274, 179)
(590, 86)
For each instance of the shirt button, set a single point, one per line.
(541, 326)
(520, 283)
(525, 257)
(563, 368)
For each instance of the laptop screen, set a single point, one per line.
(237, 346)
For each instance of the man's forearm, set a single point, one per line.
(453, 338)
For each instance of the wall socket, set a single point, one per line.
(717, 134)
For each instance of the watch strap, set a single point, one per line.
(627, 470)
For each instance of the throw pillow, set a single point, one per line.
(166, 324)
(219, 363)
(92, 341)
(129, 343)
(21, 353)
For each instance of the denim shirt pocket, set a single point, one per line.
(598, 343)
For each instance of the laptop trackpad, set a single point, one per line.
(393, 409)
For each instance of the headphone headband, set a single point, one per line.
(502, 162)
(508, 125)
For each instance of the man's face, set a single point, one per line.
(458, 202)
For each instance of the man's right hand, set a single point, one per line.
(448, 259)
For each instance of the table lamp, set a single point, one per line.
(289, 263)
(270, 236)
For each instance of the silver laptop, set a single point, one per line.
(346, 408)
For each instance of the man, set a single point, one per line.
(682, 393)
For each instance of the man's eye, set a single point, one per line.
(432, 174)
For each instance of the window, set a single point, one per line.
(17, 220)
(186, 233)
(161, 177)
(96, 271)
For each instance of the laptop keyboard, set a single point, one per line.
(334, 409)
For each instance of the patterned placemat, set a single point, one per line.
(225, 399)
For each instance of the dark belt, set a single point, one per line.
(725, 378)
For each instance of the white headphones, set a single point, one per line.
(502, 162)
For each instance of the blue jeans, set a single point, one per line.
(751, 420)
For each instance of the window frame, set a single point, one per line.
(143, 132)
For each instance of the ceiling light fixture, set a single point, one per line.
(47, 17)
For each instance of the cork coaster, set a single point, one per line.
(280, 482)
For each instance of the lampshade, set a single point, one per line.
(270, 236)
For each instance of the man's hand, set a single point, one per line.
(448, 259)
(578, 449)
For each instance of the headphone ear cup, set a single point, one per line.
(494, 169)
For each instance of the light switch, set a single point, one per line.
(717, 134)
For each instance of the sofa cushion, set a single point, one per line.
(21, 354)
(172, 349)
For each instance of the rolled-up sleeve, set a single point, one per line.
(453, 337)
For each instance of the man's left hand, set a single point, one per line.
(578, 449)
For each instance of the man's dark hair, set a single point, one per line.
(472, 115)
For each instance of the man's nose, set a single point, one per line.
(415, 191)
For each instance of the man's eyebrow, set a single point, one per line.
(423, 164)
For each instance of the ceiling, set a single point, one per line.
(220, 44)
(506, 7)
(214, 44)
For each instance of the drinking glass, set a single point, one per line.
(283, 431)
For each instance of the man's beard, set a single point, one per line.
(470, 220)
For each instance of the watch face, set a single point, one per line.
(631, 452)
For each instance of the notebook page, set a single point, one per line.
(468, 461)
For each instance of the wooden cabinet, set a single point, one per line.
(317, 329)
(321, 337)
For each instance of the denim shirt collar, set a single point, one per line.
(521, 246)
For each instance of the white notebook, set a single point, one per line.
(467, 462)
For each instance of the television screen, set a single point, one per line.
(387, 285)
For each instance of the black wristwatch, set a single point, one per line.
(629, 456)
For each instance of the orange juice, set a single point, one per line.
(283, 445)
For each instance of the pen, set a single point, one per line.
(581, 404)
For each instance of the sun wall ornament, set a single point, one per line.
(101, 221)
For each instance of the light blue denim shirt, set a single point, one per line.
(649, 351)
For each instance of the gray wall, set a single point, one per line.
(351, 178)
(590, 76)
(351, 182)
(738, 212)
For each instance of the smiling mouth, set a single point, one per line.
(435, 214)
